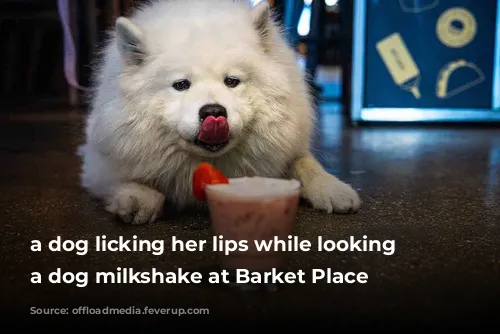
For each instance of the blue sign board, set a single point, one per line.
(426, 60)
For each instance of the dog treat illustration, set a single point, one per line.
(456, 77)
(456, 27)
(400, 63)
(417, 6)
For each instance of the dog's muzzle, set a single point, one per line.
(213, 134)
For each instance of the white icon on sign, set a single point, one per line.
(456, 27)
(449, 85)
(417, 6)
(400, 64)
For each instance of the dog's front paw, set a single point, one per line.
(326, 192)
(136, 204)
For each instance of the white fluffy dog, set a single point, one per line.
(186, 81)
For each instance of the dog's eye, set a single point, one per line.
(231, 82)
(181, 85)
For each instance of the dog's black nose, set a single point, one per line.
(215, 110)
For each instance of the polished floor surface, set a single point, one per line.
(435, 191)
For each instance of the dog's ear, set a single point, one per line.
(130, 41)
(261, 16)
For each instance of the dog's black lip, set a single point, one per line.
(211, 147)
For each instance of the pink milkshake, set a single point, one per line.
(253, 208)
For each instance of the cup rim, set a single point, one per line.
(293, 187)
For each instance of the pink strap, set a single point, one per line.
(69, 46)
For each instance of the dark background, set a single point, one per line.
(32, 50)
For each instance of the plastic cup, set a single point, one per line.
(253, 208)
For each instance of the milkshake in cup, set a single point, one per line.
(253, 208)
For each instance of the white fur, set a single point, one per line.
(139, 129)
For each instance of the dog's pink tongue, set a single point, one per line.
(214, 130)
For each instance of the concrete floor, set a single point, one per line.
(435, 191)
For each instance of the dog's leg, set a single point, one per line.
(135, 203)
(323, 190)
